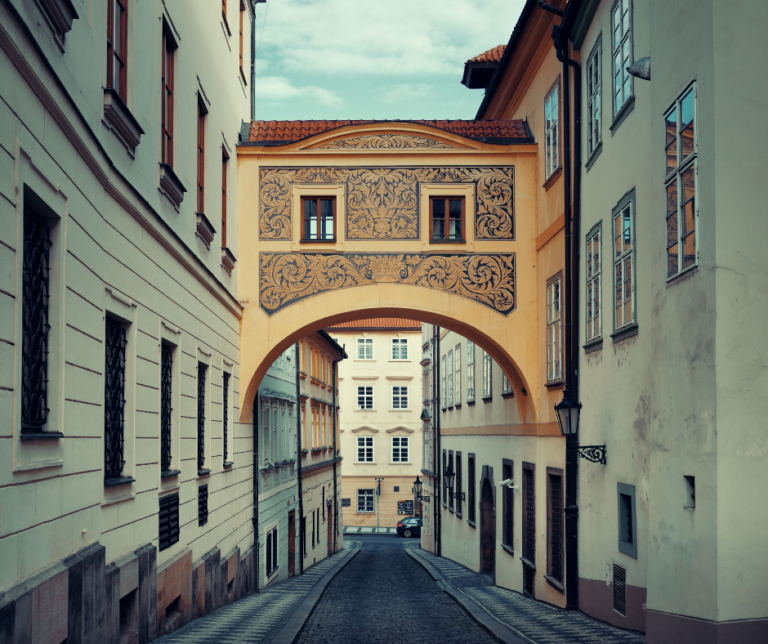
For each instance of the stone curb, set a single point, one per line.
(291, 630)
(484, 619)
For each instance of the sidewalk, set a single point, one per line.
(356, 530)
(512, 618)
(275, 615)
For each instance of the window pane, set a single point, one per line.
(687, 124)
(438, 208)
(438, 229)
(627, 230)
(689, 183)
(454, 208)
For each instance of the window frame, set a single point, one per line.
(366, 395)
(368, 444)
(113, 475)
(674, 176)
(450, 489)
(554, 327)
(167, 81)
(552, 148)
(447, 199)
(224, 166)
(400, 395)
(459, 482)
(399, 342)
(202, 111)
(627, 547)
(471, 495)
(318, 199)
(470, 371)
(627, 36)
(271, 550)
(487, 376)
(400, 447)
(242, 40)
(457, 375)
(552, 573)
(121, 86)
(594, 93)
(449, 378)
(442, 382)
(365, 343)
(626, 203)
(507, 508)
(369, 492)
(594, 276)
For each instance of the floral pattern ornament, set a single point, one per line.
(383, 203)
(385, 142)
(287, 278)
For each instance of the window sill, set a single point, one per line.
(118, 480)
(201, 471)
(447, 241)
(682, 275)
(305, 451)
(593, 157)
(317, 241)
(62, 13)
(555, 385)
(228, 465)
(205, 229)
(170, 185)
(169, 473)
(593, 345)
(487, 399)
(273, 572)
(528, 564)
(552, 178)
(457, 406)
(507, 549)
(624, 333)
(364, 463)
(315, 450)
(226, 24)
(471, 524)
(40, 435)
(508, 394)
(622, 114)
(120, 120)
(367, 411)
(554, 583)
(470, 403)
(403, 463)
(400, 410)
(228, 259)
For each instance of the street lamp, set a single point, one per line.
(378, 480)
(568, 412)
(417, 487)
(450, 479)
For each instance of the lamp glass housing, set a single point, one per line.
(417, 484)
(568, 412)
(449, 477)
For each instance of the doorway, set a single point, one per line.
(291, 543)
(330, 530)
(487, 530)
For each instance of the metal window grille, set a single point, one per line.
(225, 418)
(450, 489)
(274, 548)
(365, 500)
(34, 343)
(508, 506)
(201, 369)
(168, 518)
(471, 488)
(459, 482)
(166, 384)
(114, 398)
(268, 553)
(620, 589)
(556, 527)
(202, 505)
(529, 546)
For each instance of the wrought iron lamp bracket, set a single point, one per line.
(592, 453)
(424, 499)
(459, 495)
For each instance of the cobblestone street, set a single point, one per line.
(384, 596)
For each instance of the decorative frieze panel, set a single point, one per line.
(385, 142)
(287, 278)
(383, 203)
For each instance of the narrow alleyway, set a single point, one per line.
(384, 596)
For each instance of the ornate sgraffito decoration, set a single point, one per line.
(383, 203)
(385, 142)
(287, 278)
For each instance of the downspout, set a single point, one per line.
(572, 202)
(300, 491)
(438, 462)
(256, 477)
(335, 382)
(253, 57)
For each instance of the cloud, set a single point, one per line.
(279, 89)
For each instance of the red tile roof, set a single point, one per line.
(378, 324)
(491, 56)
(281, 132)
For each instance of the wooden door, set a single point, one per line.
(330, 531)
(291, 544)
(487, 529)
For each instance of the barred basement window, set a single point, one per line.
(168, 518)
(529, 534)
(450, 489)
(471, 489)
(202, 505)
(34, 343)
(225, 419)
(508, 505)
(114, 399)
(555, 527)
(166, 382)
(459, 483)
(270, 554)
(201, 369)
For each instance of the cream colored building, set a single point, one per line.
(380, 430)
(127, 190)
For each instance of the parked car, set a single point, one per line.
(409, 527)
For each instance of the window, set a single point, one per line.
(365, 449)
(622, 54)
(487, 375)
(399, 349)
(594, 271)
(627, 520)
(471, 489)
(224, 159)
(365, 397)
(508, 505)
(529, 529)
(201, 373)
(442, 381)
(555, 527)
(117, 45)
(319, 217)
(365, 501)
(166, 108)
(242, 21)
(225, 417)
(449, 377)
(168, 519)
(270, 553)
(594, 91)
(457, 391)
(399, 449)
(459, 483)
(554, 331)
(201, 112)
(470, 371)
(690, 492)
(552, 143)
(623, 263)
(450, 490)
(114, 398)
(365, 348)
(506, 386)
(35, 327)
(445, 483)
(682, 210)
(446, 219)
(166, 387)
(202, 505)
(399, 397)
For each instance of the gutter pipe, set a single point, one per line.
(300, 491)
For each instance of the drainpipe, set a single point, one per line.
(335, 382)
(436, 425)
(300, 491)
(253, 58)
(255, 519)
(572, 200)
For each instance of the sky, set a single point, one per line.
(373, 59)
